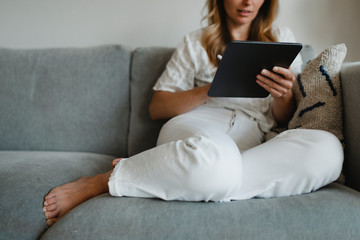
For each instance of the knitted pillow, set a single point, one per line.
(317, 92)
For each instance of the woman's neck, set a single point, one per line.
(239, 32)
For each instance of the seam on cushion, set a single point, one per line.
(130, 101)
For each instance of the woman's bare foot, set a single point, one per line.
(62, 199)
(116, 161)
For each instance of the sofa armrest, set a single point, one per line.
(350, 80)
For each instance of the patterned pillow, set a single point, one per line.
(317, 92)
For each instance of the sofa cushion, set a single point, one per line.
(318, 94)
(330, 213)
(71, 99)
(147, 66)
(26, 177)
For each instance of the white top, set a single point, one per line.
(189, 67)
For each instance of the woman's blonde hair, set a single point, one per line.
(216, 35)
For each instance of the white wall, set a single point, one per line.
(322, 23)
(63, 23)
(48, 23)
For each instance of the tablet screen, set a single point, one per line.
(243, 60)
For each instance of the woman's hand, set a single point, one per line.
(279, 84)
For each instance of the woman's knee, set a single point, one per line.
(179, 128)
(330, 152)
(322, 153)
(216, 169)
(210, 159)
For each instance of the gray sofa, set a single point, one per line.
(66, 113)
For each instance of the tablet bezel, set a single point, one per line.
(244, 60)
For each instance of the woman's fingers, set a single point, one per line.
(272, 82)
(282, 76)
(286, 72)
(272, 91)
(278, 82)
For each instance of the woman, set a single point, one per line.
(211, 149)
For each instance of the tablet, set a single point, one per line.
(243, 60)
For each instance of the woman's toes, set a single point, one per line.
(49, 201)
(72, 194)
(50, 195)
(51, 211)
(51, 221)
(51, 214)
(49, 208)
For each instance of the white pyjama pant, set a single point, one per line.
(217, 154)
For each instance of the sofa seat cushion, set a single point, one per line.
(332, 212)
(26, 177)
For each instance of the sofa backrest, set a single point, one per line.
(350, 82)
(78, 99)
(71, 99)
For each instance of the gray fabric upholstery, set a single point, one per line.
(73, 99)
(350, 80)
(147, 66)
(325, 214)
(26, 177)
(77, 100)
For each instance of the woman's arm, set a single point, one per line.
(279, 83)
(283, 108)
(165, 105)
